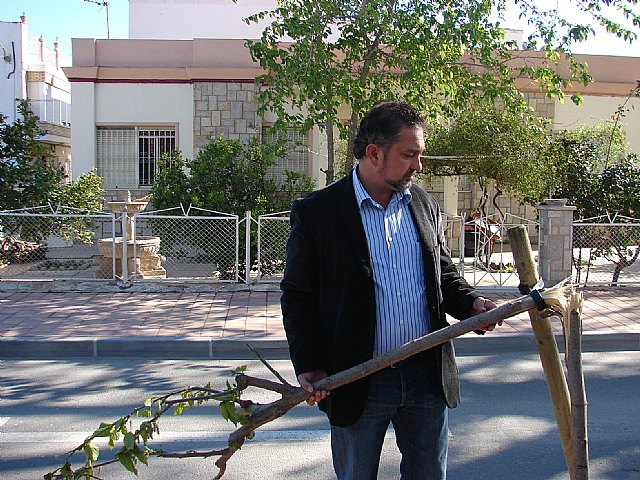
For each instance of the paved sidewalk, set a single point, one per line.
(107, 321)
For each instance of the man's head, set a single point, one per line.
(383, 123)
(388, 145)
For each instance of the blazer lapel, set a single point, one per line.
(428, 236)
(349, 210)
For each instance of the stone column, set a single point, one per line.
(451, 187)
(556, 231)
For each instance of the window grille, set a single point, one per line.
(296, 158)
(152, 144)
(119, 147)
(116, 151)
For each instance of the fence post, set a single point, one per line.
(556, 232)
(247, 240)
(125, 273)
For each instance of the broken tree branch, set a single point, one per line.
(251, 415)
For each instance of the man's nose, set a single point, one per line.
(416, 164)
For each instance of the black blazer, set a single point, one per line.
(328, 300)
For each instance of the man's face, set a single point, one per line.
(402, 159)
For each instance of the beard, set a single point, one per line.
(402, 183)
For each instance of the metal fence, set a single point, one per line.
(206, 246)
(606, 251)
(488, 260)
(273, 231)
(192, 244)
(43, 243)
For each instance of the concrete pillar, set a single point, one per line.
(556, 230)
(451, 187)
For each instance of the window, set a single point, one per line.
(127, 157)
(296, 158)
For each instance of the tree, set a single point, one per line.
(496, 148)
(27, 179)
(439, 55)
(228, 176)
(592, 168)
(576, 163)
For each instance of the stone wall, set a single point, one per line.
(224, 109)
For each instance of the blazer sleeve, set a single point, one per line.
(308, 346)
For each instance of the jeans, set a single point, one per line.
(411, 398)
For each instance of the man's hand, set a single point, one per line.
(481, 305)
(306, 381)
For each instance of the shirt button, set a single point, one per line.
(395, 267)
(398, 294)
(401, 322)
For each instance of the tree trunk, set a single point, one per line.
(353, 129)
(330, 173)
(576, 388)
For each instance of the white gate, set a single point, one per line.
(273, 231)
(488, 259)
(196, 244)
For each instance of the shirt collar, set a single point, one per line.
(362, 195)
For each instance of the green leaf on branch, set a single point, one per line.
(91, 453)
(141, 455)
(239, 371)
(129, 441)
(126, 458)
(104, 430)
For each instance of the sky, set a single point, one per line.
(66, 19)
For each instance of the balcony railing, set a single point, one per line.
(52, 111)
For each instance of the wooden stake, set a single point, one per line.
(573, 323)
(546, 342)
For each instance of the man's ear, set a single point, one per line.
(374, 154)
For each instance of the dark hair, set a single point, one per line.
(382, 124)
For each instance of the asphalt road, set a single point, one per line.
(504, 428)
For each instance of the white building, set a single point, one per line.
(188, 19)
(137, 98)
(33, 71)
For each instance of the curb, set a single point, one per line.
(275, 348)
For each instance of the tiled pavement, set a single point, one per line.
(31, 320)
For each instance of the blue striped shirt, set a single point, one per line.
(398, 273)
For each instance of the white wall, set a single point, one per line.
(595, 109)
(188, 19)
(121, 104)
(12, 87)
(83, 132)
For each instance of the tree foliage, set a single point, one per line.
(227, 176)
(230, 177)
(496, 148)
(592, 168)
(27, 179)
(439, 55)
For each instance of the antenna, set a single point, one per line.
(102, 3)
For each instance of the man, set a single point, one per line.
(367, 271)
